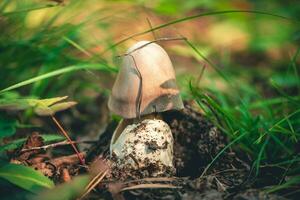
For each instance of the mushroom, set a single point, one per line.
(145, 87)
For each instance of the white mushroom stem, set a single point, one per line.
(144, 144)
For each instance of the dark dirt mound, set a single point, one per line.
(197, 142)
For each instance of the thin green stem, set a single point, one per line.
(191, 18)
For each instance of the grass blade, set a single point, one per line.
(25, 177)
(194, 17)
(55, 73)
(28, 9)
(221, 152)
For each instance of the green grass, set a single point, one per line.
(266, 129)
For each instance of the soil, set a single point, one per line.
(197, 142)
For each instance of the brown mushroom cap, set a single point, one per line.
(146, 79)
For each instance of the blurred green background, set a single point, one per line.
(240, 68)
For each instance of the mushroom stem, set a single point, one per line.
(125, 122)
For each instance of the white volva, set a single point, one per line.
(142, 144)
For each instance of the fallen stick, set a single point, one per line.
(71, 159)
(62, 130)
(150, 186)
(62, 143)
(94, 182)
(153, 179)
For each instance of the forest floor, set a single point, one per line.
(202, 172)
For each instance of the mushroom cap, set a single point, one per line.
(152, 86)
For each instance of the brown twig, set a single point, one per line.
(153, 179)
(94, 182)
(68, 138)
(150, 42)
(150, 25)
(150, 185)
(140, 91)
(200, 75)
(150, 180)
(71, 159)
(62, 143)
